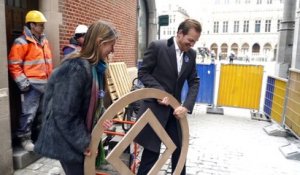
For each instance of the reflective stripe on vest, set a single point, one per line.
(29, 59)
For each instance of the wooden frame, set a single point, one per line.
(89, 164)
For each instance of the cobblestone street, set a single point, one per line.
(230, 144)
(235, 144)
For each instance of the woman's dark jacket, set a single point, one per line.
(64, 135)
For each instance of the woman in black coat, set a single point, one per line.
(72, 99)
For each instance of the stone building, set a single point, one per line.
(249, 28)
(176, 15)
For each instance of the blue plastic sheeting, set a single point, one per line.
(206, 72)
(269, 96)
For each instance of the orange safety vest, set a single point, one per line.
(30, 60)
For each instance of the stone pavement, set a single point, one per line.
(229, 144)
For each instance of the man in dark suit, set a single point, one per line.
(166, 65)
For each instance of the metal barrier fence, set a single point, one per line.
(206, 73)
(292, 108)
(274, 98)
(240, 86)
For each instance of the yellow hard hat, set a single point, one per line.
(35, 16)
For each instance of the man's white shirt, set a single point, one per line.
(179, 56)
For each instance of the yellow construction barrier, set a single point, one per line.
(274, 98)
(292, 110)
(278, 100)
(240, 85)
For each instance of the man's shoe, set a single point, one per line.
(27, 145)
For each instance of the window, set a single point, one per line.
(278, 24)
(246, 26)
(258, 1)
(268, 26)
(237, 1)
(236, 26)
(216, 27)
(269, 1)
(247, 1)
(225, 26)
(226, 1)
(257, 26)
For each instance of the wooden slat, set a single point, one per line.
(109, 81)
(119, 79)
(112, 89)
(119, 82)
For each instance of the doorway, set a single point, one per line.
(15, 11)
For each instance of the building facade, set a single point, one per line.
(176, 15)
(249, 28)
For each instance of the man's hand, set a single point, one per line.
(180, 110)
(164, 101)
(25, 88)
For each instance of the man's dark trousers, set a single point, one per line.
(149, 157)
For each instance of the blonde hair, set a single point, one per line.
(97, 34)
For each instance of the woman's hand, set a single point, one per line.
(107, 124)
(87, 152)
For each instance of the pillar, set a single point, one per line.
(286, 37)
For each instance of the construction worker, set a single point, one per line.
(76, 41)
(30, 65)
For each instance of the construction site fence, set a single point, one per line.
(240, 86)
(274, 98)
(206, 73)
(292, 107)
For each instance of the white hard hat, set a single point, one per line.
(81, 29)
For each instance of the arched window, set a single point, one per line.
(224, 50)
(267, 48)
(235, 48)
(214, 47)
(255, 48)
(267, 51)
(245, 49)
